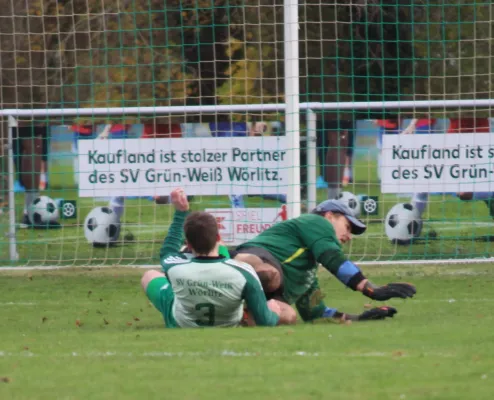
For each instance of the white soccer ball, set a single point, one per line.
(43, 210)
(403, 223)
(351, 201)
(102, 226)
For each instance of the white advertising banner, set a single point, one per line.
(202, 166)
(237, 225)
(438, 163)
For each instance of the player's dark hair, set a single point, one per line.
(201, 231)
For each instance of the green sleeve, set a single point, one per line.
(320, 239)
(331, 257)
(310, 305)
(174, 238)
(255, 300)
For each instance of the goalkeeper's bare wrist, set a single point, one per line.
(367, 288)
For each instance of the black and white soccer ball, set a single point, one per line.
(351, 201)
(403, 223)
(43, 210)
(102, 226)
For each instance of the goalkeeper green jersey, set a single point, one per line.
(300, 244)
(210, 291)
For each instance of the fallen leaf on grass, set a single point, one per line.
(136, 319)
(5, 379)
(78, 323)
(30, 277)
(129, 323)
(43, 320)
(397, 353)
(26, 348)
(89, 293)
(105, 321)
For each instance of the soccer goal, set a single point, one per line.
(259, 111)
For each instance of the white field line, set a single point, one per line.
(223, 353)
(81, 267)
(465, 261)
(450, 301)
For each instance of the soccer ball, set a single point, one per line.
(403, 223)
(43, 210)
(102, 226)
(351, 201)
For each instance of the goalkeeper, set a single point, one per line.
(208, 289)
(286, 255)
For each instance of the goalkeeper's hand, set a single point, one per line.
(377, 313)
(372, 314)
(389, 291)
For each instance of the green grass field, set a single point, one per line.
(459, 229)
(91, 334)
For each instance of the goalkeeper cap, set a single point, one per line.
(336, 206)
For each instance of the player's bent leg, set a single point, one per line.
(269, 276)
(160, 294)
(148, 277)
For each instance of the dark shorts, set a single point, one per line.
(268, 258)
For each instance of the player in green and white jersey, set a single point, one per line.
(207, 289)
(286, 256)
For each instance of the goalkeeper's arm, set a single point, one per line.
(349, 274)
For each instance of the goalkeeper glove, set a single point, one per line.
(377, 313)
(372, 314)
(386, 292)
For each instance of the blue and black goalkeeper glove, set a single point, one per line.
(391, 290)
(377, 313)
(372, 314)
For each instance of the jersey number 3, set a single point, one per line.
(207, 310)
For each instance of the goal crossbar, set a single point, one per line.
(234, 108)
